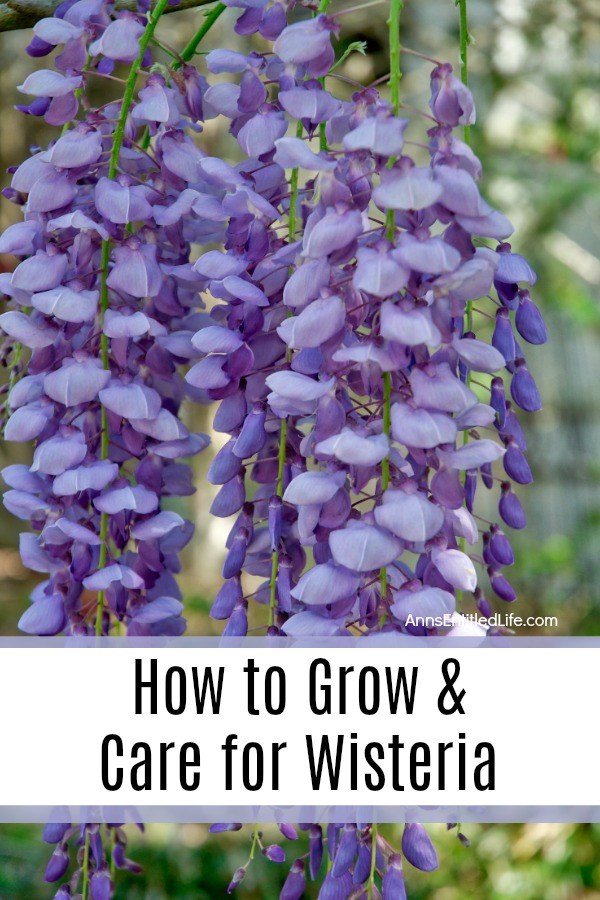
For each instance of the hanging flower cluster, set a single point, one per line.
(343, 355)
(351, 272)
(101, 302)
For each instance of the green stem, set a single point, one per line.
(292, 223)
(395, 78)
(254, 843)
(210, 18)
(86, 866)
(12, 380)
(113, 865)
(322, 126)
(113, 168)
(373, 861)
(465, 40)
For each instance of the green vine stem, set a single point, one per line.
(465, 40)
(85, 868)
(292, 223)
(371, 884)
(395, 78)
(113, 167)
(211, 17)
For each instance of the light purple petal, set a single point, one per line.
(355, 449)
(472, 455)
(383, 136)
(409, 189)
(132, 401)
(75, 382)
(378, 273)
(409, 516)
(118, 325)
(313, 487)
(44, 617)
(85, 478)
(308, 624)
(67, 304)
(163, 427)
(421, 428)
(436, 387)
(408, 326)
(429, 602)
(363, 548)
(324, 584)
(478, 355)
(136, 498)
(57, 454)
(317, 323)
(456, 568)
(292, 153)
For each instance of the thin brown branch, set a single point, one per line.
(15, 14)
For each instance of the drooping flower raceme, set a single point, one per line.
(352, 272)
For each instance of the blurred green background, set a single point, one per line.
(535, 73)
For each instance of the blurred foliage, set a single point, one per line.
(504, 862)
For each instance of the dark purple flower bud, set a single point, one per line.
(501, 586)
(315, 850)
(346, 851)
(524, 389)
(515, 464)
(470, 488)
(230, 498)
(295, 883)
(225, 465)
(498, 400)
(529, 321)
(194, 88)
(231, 413)
(63, 893)
(486, 476)
(337, 888)
(451, 101)
(510, 508)
(275, 853)
(503, 338)
(237, 554)
(512, 267)
(500, 547)
(229, 594)
(362, 867)
(418, 848)
(101, 886)
(238, 877)
(288, 831)
(284, 583)
(37, 47)
(275, 521)
(512, 428)
(483, 604)
(392, 887)
(220, 827)
(252, 436)
(54, 832)
(238, 623)
(57, 865)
